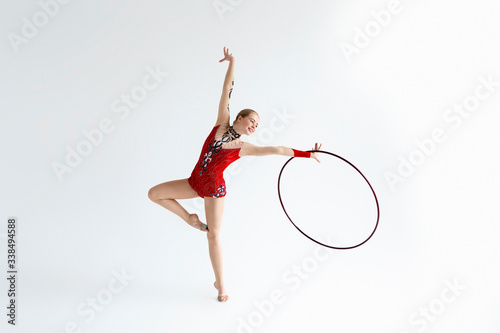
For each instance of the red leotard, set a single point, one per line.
(207, 176)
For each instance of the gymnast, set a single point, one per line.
(222, 147)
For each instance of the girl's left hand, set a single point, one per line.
(227, 56)
(315, 155)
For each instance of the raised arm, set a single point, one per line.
(249, 149)
(227, 89)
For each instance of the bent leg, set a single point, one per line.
(214, 209)
(165, 195)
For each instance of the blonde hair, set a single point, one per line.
(244, 113)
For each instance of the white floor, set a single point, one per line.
(406, 90)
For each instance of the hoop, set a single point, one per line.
(374, 195)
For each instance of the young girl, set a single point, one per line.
(222, 147)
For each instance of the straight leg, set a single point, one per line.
(214, 209)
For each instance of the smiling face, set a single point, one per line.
(247, 125)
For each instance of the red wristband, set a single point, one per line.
(300, 153)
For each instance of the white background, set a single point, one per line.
(439, 224)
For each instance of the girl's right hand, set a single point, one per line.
(227, 56)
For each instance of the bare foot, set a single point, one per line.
(195, 222)
(222, 297)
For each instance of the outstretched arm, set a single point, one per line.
(249, 149)
(227, 89)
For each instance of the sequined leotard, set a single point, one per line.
(221, 148)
